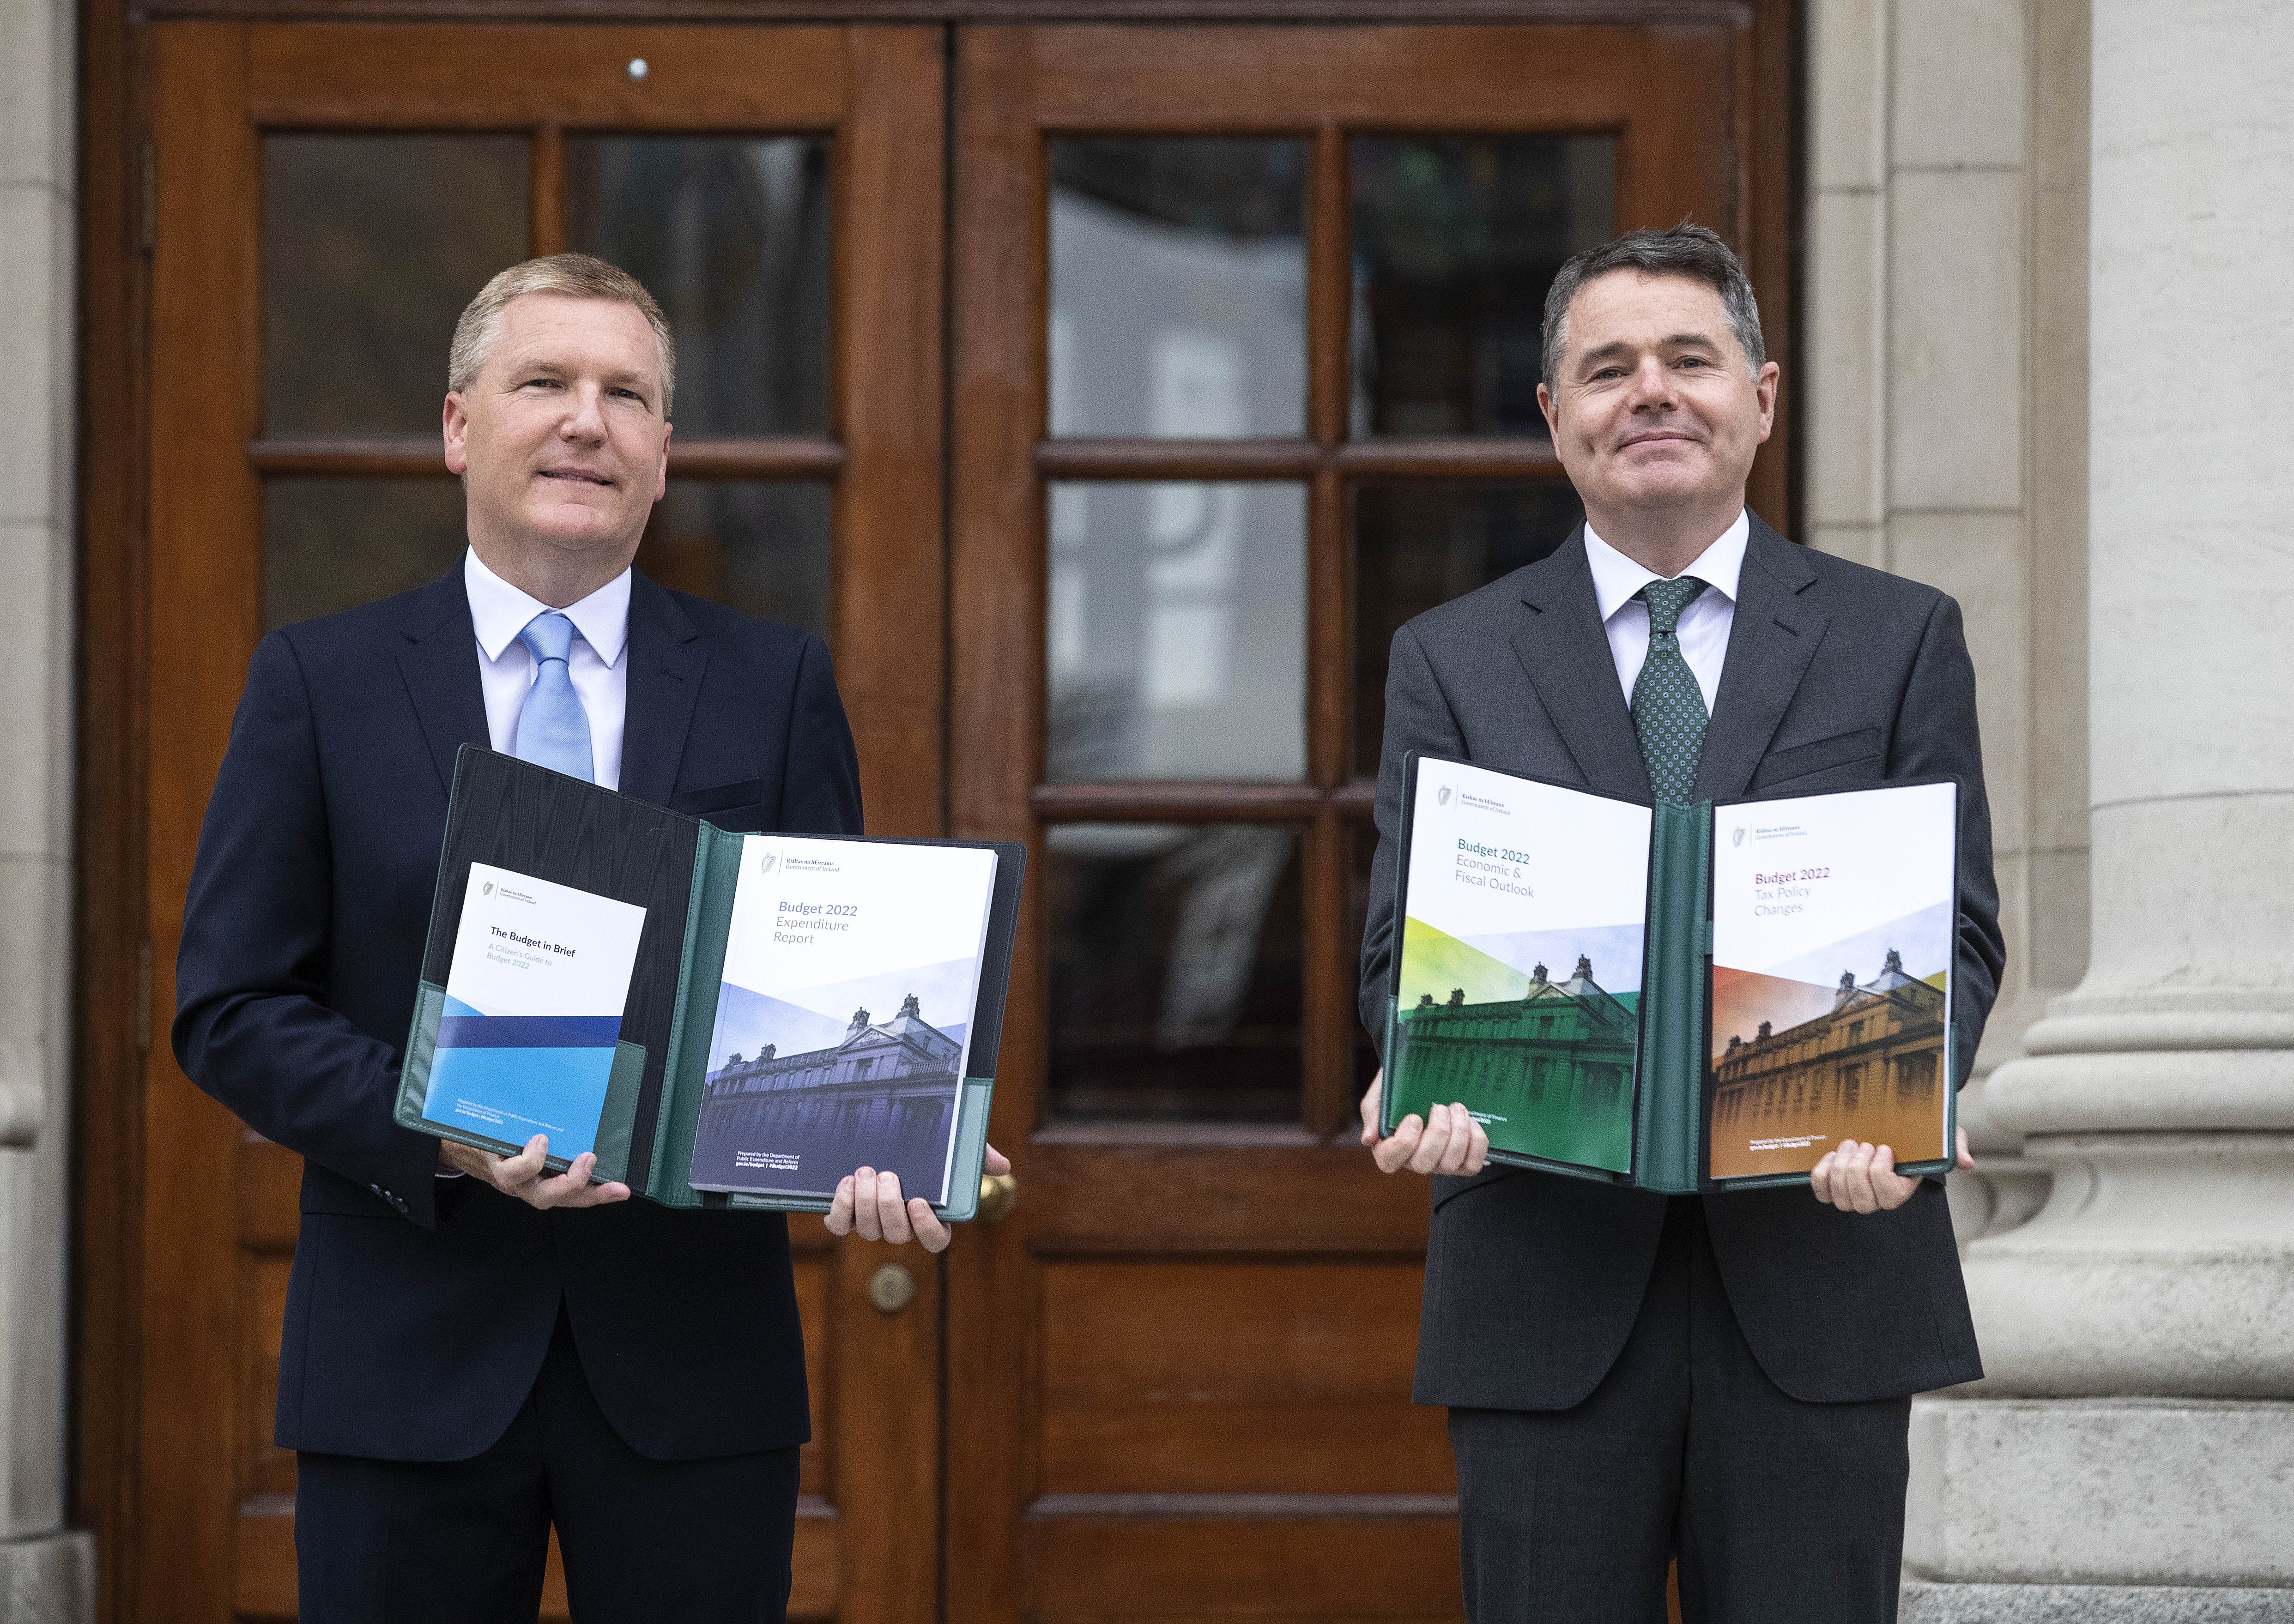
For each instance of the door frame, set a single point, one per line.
(113, 1020)
(165, 1438)
(1139, 1193)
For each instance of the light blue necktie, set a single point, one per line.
(553, 730)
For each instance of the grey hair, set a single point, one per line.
(1682, 250)
(574, 276)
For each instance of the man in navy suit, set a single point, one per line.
(476, 1350)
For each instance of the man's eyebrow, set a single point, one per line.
(1613, 350)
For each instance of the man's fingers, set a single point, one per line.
(1462, 1141)
(1890, 1189)
(891, 1211)
(1967, 1157)
(927, 1225)
(1479, 1155)
(1819, 1177)
(1393, 1154)
(1435, 1144)
(1861, 1196)
(867, 1218)
(524, 1167)
(1861, 1178)
(839, 1208)
(996, 1161)
(572, 1187)
(1370, 1105)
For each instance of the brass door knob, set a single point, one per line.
(999, 1193)
(891, 1288)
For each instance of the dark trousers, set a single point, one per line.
(465, 1542)
(1780, 1511)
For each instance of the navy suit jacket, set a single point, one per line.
(1837, 678)
(419, 1309)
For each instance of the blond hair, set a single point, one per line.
(574, 276)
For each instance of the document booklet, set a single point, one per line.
(799, 1092)
(726, 1019)
(533, 1011)
(1680, 998)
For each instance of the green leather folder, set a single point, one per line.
(683, 872)
(1626, 1083)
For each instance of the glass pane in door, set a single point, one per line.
(371, 246)
(1418, 543)
(732, 235)
(1456, 238)
(331, 544)
(1177, 989)
(1177, 631)
(1178, 305)
(760, 546)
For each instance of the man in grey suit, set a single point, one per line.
(1631, 1375)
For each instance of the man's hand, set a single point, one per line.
(1449, 1141)
(1860, 1178)
(527, 1177)
(870, 1202)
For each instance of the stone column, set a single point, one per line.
(1943, 386)
(2141, 1327)
(45, 1574)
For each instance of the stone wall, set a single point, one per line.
(1944, 405)
(45, 1573)
(2013, 200)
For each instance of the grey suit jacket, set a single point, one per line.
(1837, 677)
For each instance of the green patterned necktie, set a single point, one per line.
(1668, 706)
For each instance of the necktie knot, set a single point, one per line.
(553, 729)
(1668, 706)
(1666, 599)
(548, 636)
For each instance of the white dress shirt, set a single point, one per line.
(506, 668)
(1703, 625)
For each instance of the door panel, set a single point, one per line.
(1245, 322)
(327, 199)
(1179, 1374)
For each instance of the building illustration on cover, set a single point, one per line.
(885, 1096)
(1556, 1065)
(1867, 1069)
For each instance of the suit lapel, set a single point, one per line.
(666, 661)
(1562, 646)
(439, 662)
(1771, 642)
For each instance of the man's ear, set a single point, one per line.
(455, 423)
(1545, 404)
(660, 479)
(1764, 390)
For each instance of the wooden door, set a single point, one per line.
(1246, 354)
(327, 198)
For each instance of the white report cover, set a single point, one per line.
(843, 1020)
(1526, 913)
(533, 1009)
(1835, 919)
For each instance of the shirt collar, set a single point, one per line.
(1616, 578)
(500, 612)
